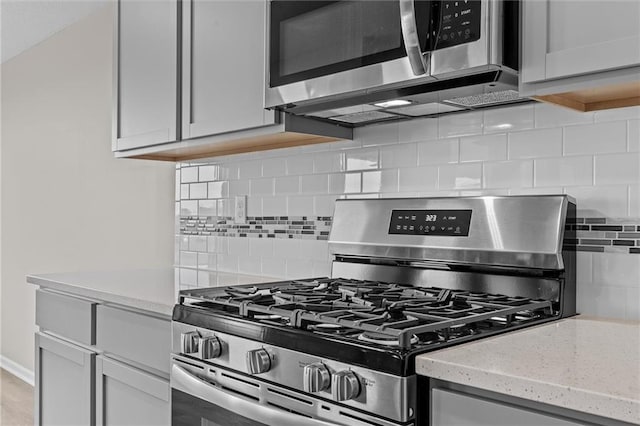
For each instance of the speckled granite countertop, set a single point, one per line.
(584, 364)
(151, 290)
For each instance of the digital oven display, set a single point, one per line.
(452, 223)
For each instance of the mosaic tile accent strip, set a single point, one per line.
(303, 227)
(605, 235)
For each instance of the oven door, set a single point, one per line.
(318, 49)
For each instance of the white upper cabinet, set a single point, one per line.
(223, 66)
(570, 46)
(146, 70)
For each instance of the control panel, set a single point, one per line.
(454, 223)
(459, 23)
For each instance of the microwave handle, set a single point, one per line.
(186, 382)
(419, 61)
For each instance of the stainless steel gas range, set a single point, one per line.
(408, 276)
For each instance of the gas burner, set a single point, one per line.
(326, 328)
(383, 339)
(461, 330)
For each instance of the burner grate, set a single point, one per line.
(398, 312)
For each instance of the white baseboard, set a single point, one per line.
(17, 370)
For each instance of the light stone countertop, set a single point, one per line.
(152, 290)
(585, 364)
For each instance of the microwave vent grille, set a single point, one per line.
(484, 99)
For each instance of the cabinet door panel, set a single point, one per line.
(146, 73)
(64, 383)
(224, 63)
(128, 396)
(455, 409)
(572, 38)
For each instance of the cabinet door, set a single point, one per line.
(569, 38)
(128, 396)
(455, 409)
(223, 66)
(146, 73)
(64, 383)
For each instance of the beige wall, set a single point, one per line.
(67, 204)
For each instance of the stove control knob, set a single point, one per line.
(344, 385)
(316, 377)
(258, 361)
(189, 342)
(209, 347)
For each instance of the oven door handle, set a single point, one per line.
(419, 61)
(186, 382)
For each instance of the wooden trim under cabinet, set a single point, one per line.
(606, 97)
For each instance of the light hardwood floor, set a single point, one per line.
(16, 401)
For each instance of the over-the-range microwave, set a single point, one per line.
(371, 60)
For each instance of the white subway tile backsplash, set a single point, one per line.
(238, 187)
(634, 201)
(299, 268)
(188, 208)
(287, 248)
(508, 174)
(274, 267)
(633, 136)
(249, 265)
(362, 159)
(483, 148)
(616, 114)
(537, 143)
(314, 184)
(197, 191)
(403, 155)
(617, 169)
(207, 208)
(380, 181)
(326, 162)
(261, 247)
(600, 201)
(300, 165)
(188, 174)
(439, 152)
(189, 259)
(379, 134)
(227, 263)
(299, 206)
(274, 167)
(208, 173)
(419, 130)
(469, 123)
(502, 120)
(249, 169)
(238, 246)
(188, 276)
(263, 186)
(418, 179)
(460, 176)
(595, 138)
(547, 115)
(274, 206)
(345, 183)
(218, 189)
(206, 261)
(567, 171)
(287, 185)
(324, 205)
(225, 207)
(615, 269)
(633, 304)
(198, 243)
(321, 269)
(184, 191)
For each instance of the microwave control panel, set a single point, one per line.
(453, 223)
(456, 22)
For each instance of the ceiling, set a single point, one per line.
(25, 23)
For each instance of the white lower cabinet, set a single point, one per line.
(456, 409)
(64, 382)
(128, 396)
